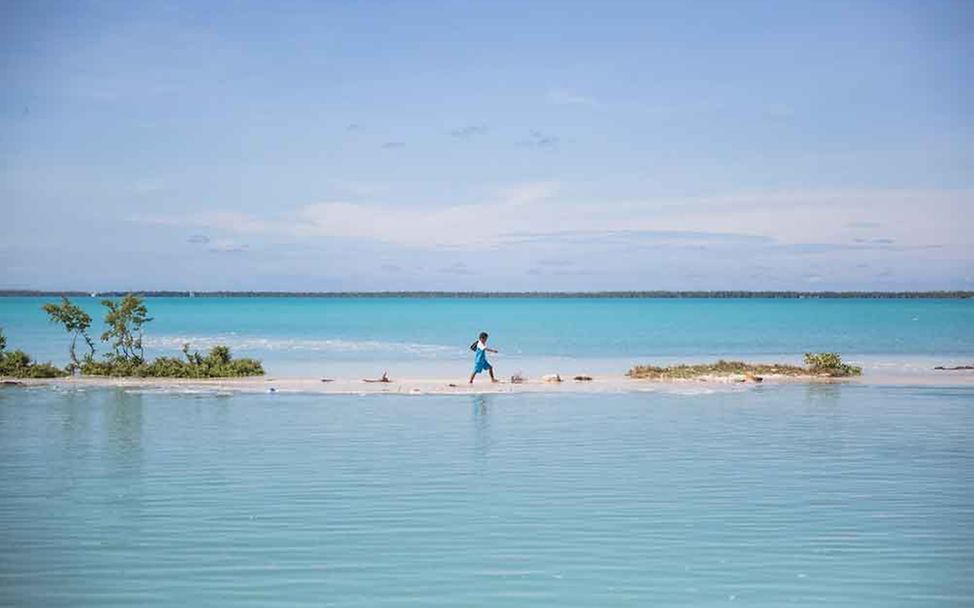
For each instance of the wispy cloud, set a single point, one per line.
(565, 97)
(533, 213)
(393, 145)
(198, 239)
(226, 221)
(457, 268)
(468, 131)
(537, 139)
(555, 263)
(227, 246)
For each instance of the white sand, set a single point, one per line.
(459, 386)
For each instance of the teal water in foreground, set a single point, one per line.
(819, 495)
(420, 336)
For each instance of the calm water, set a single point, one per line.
(412, 336)
(778, 495)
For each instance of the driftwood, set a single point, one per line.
(956, 367)
(384, 378)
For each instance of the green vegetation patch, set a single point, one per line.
(828, 365)
(18, 364)
(124, 323)
(219, 363)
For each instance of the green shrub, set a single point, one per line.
(830, 364)
(820, 364)
(76, 322)
(18, 364)
(219, 363)
(124, 321)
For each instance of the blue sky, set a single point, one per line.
(487, 145)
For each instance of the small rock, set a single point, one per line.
(551, 378)
(327, 380)
(583, 378)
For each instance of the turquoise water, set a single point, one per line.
(818, 495)
(351, 335)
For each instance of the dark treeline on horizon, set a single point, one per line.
(505, 294)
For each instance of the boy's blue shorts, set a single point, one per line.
(480, 366)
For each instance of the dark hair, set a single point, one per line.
(483, 336)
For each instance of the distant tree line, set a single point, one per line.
(516, 294)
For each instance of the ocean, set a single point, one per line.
(421, 337)
(781, 494)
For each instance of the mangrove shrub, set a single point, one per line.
(123, 326)
(76, 322)
(18, 364)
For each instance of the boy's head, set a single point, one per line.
(483, 336)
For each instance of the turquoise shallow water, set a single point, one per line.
(336, 336)
(818, 495)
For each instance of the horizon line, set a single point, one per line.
(632, 294)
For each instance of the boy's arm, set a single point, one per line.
(491, 350)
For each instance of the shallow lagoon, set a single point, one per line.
(428, 337)
(799, 495)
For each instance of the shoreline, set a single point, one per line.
(459, 386)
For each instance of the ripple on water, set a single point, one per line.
(799, 495)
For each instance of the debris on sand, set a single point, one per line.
(384, 378)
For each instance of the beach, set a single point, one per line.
(459, 386)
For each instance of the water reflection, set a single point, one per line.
(481, 420)
(825, 393)
(123, 425)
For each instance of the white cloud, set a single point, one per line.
(564, 97)
(908, 219)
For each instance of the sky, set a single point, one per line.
(513, 146)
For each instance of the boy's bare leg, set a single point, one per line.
(492, 378)
(472, 376)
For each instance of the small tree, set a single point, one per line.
(76, 322)
(125, 320)
(3, 340)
